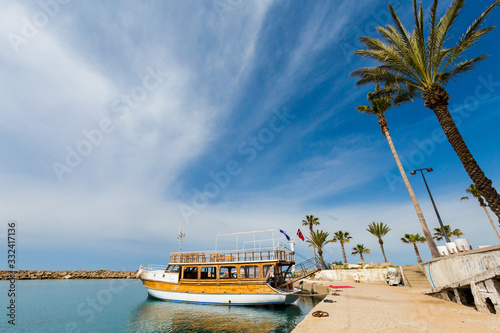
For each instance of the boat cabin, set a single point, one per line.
(239, 266)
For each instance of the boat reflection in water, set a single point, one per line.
(157, 316)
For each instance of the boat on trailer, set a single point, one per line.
(252, 276)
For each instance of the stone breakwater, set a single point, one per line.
(61, 275)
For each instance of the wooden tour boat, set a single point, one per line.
(254, 276)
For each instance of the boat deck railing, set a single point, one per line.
(153, 267)
(232, 256)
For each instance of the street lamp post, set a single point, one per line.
(413, 172)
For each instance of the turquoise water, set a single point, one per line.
(123, 306)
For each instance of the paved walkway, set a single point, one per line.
(380, 308)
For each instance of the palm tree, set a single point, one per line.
(318, 239)
(360, 249)
(342, 237)
(438, 232)
(309, 222)
(425, 65)
(379, 230)
(472, 190)
(379, 104)
(414, 239)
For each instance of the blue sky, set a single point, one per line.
(117, 115)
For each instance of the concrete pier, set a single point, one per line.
(380, 308)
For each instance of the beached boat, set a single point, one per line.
(255, 276)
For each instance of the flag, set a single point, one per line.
(284, 233)
(299, 233)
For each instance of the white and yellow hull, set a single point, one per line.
(226, 299)
(162, 286)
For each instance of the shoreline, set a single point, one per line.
(66, 275)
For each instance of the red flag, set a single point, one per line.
(300, 234)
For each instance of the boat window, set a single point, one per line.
(208, 273)
(227, 272)
(190, 273)
(172, 269)
(266, 269)
(249, 272)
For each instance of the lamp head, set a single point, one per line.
(429, 170)
(413, 172)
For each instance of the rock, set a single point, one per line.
(67, 277)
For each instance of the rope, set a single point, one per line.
(105, 291)
(320, 314)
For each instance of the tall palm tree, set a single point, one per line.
(379, 104)
(360, 249)
(318, 239)
(379, 230)
(472, 190)
(310, 221)
(342, 237)
(414, 239)
(425, 65)
(438, 232)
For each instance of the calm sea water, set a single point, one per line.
(123, 306)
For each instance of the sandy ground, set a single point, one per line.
(380, 308)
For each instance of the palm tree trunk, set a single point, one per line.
(361, 255)
(320, 254)
(436, 98)
(491, 221)
(425, 228)
(417, 253)
(315, 259)
(314, 247)
(343, 252)
(381, 242)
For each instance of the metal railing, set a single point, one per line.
(153, 267)
(305, 268)
(233, 256)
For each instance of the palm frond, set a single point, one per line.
(417, 61)
(460, 68)
(378, 75)
(443, 27)
(406, 54)
(463, 44)
(431, 40)
(399, 26)
(473, 33)
(365, 109)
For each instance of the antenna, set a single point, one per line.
(180, 236)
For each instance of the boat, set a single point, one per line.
(248, 276)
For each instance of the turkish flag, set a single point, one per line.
(300, 234)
